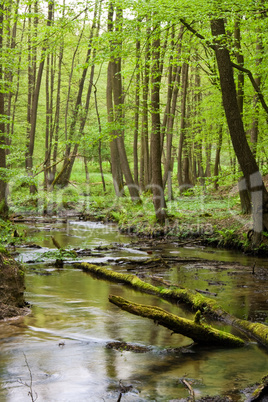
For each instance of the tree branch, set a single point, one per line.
(234, 65)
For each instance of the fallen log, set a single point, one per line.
(200, 333)
(196, 301)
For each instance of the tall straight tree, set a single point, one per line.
(115, 159)
(144, 156)
(185, 69)
(118, 105)
(34, 101)
(3, 177)
(157, 181)
(170, 112)
(63, 177)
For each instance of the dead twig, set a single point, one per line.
(33, 395)
(190, 389)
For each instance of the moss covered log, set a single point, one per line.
(196, 301)
(199, 333)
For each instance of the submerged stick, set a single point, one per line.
(202, 334)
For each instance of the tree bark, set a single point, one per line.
(244, 155)
(117, 102)
(145, 176)
(157, 183)
(3, 179)
(217, 158)
(185, 69)
(175, 74)
(70, 154)
(137, 109)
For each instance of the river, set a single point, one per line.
(59, 352)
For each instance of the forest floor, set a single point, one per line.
(200, 213)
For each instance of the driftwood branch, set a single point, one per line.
(196, 301)
(199, 333)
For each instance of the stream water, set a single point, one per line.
(59, 351)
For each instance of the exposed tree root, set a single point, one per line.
(207, 306)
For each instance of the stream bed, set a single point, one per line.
(59, 352)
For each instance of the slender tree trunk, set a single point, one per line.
(170, 113)
(18, 75)
(185, 69)
(253, 180)
(117, 104)
(10, 77)
(217, 159)
(99, 145)
(157, 183)
(240, 62)
(137, 111)
(144, 163)
(255, 123)
(64, 176)
(208, 148)
(115, 159)
(3, 178)
(57, 109)
(33, 117)
(31, 89)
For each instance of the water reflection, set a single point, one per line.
(64, 339)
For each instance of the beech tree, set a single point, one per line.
(250, 169)
(3, 171)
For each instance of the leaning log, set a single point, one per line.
(198, 332)
(196, 301)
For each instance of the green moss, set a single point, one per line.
(203, 334)
(195, 300)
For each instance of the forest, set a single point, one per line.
(146, 120)
(144, 100)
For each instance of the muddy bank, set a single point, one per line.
(12, 302)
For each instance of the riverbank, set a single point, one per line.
(12, 302)
(200, 214)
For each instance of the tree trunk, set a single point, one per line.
(10, 75)
(199, 333)
(117, 105)
(254, 133)
(170, 112)
(144, 160)
(99, 145)
(115, 160)
(207, 307)
(244, 197)
(3, 178)
(253, 179)
(157, 183)
(137, 110)
(70, 154)
(33, 94)
(185, 69)
(58, 109)
(240, 62)
(217, 159)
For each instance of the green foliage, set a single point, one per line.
(58, 255)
